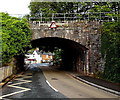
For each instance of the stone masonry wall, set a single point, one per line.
(86, 33)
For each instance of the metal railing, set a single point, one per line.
(62, 17)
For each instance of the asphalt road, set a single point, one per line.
(31, 85)
(45, 82)
(73, 88)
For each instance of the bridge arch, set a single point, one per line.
(85, 34)
(74, 54)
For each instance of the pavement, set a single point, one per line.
(100, 83)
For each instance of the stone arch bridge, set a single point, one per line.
(80, 40)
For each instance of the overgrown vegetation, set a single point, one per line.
(16, 37)
(110, 49)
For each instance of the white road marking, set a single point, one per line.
(0, 97)
(19, 87)
(20, 83)
(27, 76)
(51, 86)
(13, 85)
(13, 93)
(19, 79)
(22, 79)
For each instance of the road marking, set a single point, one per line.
(19, 83)
(19, 87)
(13, 85)
(51, 86)
(27, 76)
(23, 80)
(0, 97)
(13, 93)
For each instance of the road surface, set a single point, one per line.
(46, 82)
(73, 88)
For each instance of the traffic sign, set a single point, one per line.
(53, 25)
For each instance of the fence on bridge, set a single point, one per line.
(98, 16)
(63, 17)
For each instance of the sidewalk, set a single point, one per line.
(99, 83)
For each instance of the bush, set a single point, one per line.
(110, 48)
(16, 36)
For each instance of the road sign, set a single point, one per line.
(53, 25)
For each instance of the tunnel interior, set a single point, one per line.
(73, 55)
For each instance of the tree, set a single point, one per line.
(104, 11)
(16, 36)
(58, 56)
(97, 10)
(45, 9)
(110, 47)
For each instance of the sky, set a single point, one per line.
(15, 6)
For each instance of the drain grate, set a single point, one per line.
(54, 79)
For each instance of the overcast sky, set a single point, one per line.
(15, 6)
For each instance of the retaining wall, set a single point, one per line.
(5, 72)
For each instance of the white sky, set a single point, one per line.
(15, 6)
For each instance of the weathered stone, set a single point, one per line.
(87, 33)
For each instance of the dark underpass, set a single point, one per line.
(73, 56)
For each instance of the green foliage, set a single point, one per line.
(102, 7)
(50, 7)
(58, 55)
(110, 49)
(104, 11)
(16, 37)
(45, 9)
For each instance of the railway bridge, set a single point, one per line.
(79, 39)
